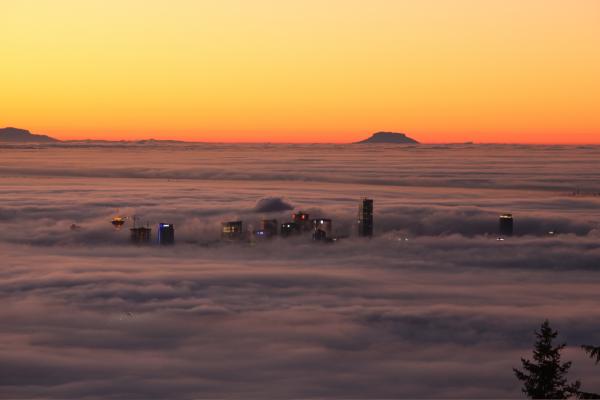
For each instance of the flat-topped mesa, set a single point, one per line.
(389, 137)
(16, 135)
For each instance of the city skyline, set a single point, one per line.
(280, 318)
(266, 71)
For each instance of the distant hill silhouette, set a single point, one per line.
(389, 137)
(23, 136)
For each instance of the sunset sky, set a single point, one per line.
(302, 71)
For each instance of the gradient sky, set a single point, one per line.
(302, 71)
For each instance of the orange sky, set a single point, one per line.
(303, 71)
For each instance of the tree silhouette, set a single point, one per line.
(545, 376)
(594, 353)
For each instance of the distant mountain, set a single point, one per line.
(158, 141)
(389, 137)
(23, 136)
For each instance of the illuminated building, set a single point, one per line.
(118, 221)
(323, 224)
(232, 230)
(268, 229)
(302, 221)
(166, 234)
(140, 235)
(261, 234)
(269, 226)
(506, 225)
(289, 228)
(365, 218)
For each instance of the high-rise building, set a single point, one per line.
(365, 217)
(232, 230)
(324, 224)
(506, 225)
(166, 234)
(289, 228)
(140, 235)
(269, 226)
(302, 221)
(268, 229)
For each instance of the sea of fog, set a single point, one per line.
(432, 306)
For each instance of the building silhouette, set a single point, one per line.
(301, 219)
(166, 234)
(140, 235)
(232, 230)
(289, 228)
(269, 227)
(319, 235)
(506, 225)
(324, 224)
(365, 218)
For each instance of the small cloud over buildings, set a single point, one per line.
(273, 204)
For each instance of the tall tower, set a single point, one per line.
(365, 217)
(166, 234)
(506, 225)
(139, 234)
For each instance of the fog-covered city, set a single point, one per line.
(432, 305)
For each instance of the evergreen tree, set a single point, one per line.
(545, 376)
(594, 354)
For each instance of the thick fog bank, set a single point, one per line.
(432, 306)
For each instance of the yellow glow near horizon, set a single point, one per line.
(309, 71)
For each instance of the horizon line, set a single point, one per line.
(335, 142)
(356, 141)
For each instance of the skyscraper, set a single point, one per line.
(268, 229)
(140, 235)
(365, 218)
(232, 230)
(166, 234)
(289, 228)
(506, 225)
(302, 221)
(269, 226)
(324, 224)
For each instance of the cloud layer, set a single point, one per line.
(446, 313)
